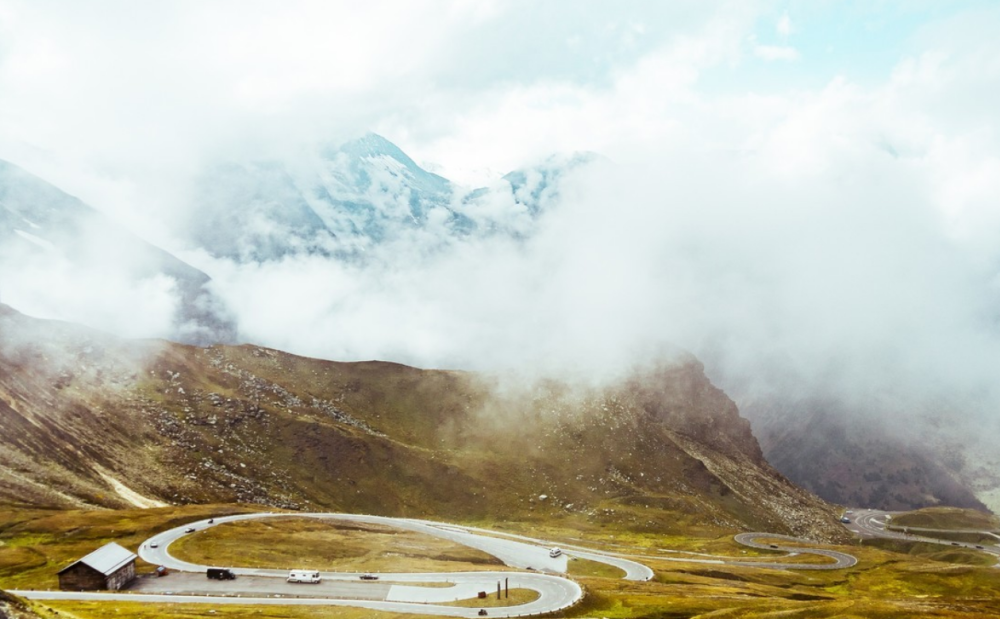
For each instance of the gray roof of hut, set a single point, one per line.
(107, 559)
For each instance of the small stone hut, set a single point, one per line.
(109, 567)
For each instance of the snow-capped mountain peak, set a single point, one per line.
(355, 196)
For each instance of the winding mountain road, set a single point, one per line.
(841, 559)
(555, 593)
(875, 523)
(394, 592)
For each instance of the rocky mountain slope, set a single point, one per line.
(92, 420)
(45, 230)
(346, 200)
(863, 458)
(866, 458)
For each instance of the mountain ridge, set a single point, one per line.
(664, 450)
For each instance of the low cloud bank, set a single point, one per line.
(837, 239)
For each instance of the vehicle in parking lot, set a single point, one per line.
(306, 576)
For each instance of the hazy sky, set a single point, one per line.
(813, 185)
(125, 91)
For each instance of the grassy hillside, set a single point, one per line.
(947, 518)
(91, 420)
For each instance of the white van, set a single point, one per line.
(308, 576)
(555, 552)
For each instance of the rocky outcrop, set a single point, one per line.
(12, 607)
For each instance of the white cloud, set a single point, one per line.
(846, 234)
(784, 26)
(121, 104)
(776, 52)
(108, 299)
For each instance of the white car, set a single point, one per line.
(555, 552)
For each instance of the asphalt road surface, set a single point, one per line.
(199, 584)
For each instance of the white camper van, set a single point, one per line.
(308, 576)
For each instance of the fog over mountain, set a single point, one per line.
(820, 227)
(57, 254)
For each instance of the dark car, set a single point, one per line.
(773, 545)
(219, 573)
(980, 547)
(369, 577)
(954, 543)
(189, 530)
